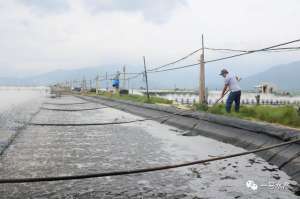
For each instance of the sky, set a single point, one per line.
(38, 36)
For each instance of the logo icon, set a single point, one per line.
(251, 185)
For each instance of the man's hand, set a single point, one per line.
(224, 91)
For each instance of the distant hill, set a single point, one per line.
(285, 77)
(156, 80)
(60, 76)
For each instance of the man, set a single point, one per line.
(231, 83)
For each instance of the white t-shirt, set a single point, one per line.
(232, 82)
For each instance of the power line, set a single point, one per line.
(135, 76)
(176, 68)
(228, 57)
(144, 170)
(253, 51)
(174, 62)
(273, 48)
(287, 49)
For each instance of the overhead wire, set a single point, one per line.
(253, 51)
(286, 49)
(159, 69)
(227, 57)
(176, 61)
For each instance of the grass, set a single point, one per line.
(136, 98)
(285, 115)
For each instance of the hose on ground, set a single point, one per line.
(144, 170)
(108, 123)
(74, 110)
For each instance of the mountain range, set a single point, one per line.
(285, 77)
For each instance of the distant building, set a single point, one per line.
(267, 88)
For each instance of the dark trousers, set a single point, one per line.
(236, 97)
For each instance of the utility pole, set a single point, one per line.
(106, 82)
(71, 84)
(128, 84)
(202, 98)
(124, 79)
(146, 76)
(97, 84)
(84, 84)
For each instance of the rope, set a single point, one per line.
(109, 123)
(144, 170)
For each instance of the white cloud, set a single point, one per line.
(47, 6)
(157, 11)
(39, 36)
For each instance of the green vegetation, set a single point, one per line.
(136, 98)
(285, 115)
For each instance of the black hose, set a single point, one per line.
(108, 123)
(65, 104)
(84, 109)
(145, 170)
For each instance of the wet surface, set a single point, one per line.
(41, 151)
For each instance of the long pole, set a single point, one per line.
(97, 84)
(124, 78)
(202, 98)
(146, 76)
(106, 82)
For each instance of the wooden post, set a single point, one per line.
(124, 79)
(71, 84)
(84, 84)
(146, 76)
(97, 84)
(128, 84)
(202, 98)
(106, 81)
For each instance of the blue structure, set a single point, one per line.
(116, 83)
